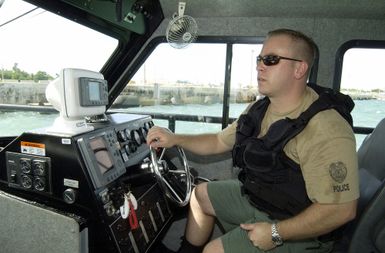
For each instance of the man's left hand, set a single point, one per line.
(260, 235)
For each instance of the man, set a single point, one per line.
(319, 165)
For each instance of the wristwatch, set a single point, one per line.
(275, 237)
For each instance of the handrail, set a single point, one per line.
(172, 118)
(28, 108)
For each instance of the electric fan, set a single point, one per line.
(182, 29)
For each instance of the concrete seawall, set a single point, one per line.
(25, 93)
(22, 93)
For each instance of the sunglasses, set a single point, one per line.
(270, 60)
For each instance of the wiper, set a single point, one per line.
(22, 15)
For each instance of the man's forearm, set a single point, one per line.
(205, 144)
(316, 220)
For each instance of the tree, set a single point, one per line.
(18, 74)
(41, 75)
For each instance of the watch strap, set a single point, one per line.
(275, 236)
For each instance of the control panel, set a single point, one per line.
(29, 172)
(109, 151)
(131, 139)
(98, 176)
(147, 214)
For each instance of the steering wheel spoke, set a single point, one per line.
(171, 189)
(162, 154)
(180, 172)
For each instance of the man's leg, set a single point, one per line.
(215, 246)
(201, 218)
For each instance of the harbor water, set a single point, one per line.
(366, 113)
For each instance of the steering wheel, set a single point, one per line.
(176, 183)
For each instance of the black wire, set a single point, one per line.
(9, 21)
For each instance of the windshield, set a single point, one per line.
(35, 45)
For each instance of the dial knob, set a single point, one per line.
(39, 184)
(26, 181)
(69, 196)
(25, 165)
(39, 168)
(132, 146)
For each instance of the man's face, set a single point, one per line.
(275, 80)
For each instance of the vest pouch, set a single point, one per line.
(245, 129)
(237, 154)
(257, 158)
(264, 199)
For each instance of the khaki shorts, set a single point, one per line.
(232, 208)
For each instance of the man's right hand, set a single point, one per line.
(159, 137)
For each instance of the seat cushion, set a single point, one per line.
(380, 237)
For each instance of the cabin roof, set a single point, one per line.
(373, 9)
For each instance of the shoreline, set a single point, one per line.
(33, 93)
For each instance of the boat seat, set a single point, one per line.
(367, 232)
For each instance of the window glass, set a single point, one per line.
(244, 83)
(365, 83)
(175, 83)
(35, 46)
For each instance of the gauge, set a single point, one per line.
(148, 125)
(122, 135)
(26, 181)
(143, 134)
(136, 137)
(128, 133)
(39, 184)
(69, 196)
(25, 165)
(39, 168)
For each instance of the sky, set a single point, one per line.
(39, 41)
(44, 41)
(368, 73)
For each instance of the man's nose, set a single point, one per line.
(260, 66)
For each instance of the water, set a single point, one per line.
(14, 123)
(366, 113)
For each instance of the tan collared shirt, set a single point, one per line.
(325, 151)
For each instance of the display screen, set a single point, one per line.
(102, 155)
(94, 91)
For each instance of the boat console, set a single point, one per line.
(86, 186)
(89, 177)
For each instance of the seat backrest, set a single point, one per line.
(371, 154)
(368, 229)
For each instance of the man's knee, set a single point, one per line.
(214, 246)
(201, 197)
(201, 192)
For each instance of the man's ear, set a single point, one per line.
(301, 69)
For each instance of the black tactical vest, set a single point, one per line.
(272, 180)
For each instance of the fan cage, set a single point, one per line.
(181, 31)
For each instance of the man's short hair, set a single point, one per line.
(309, 46)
